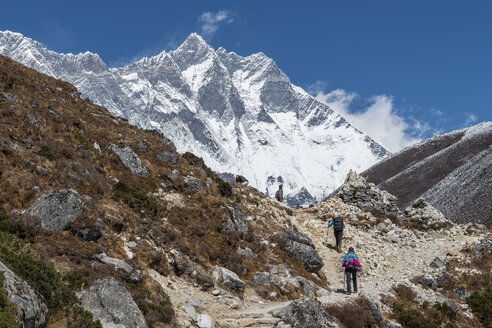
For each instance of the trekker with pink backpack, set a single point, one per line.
(351, 264)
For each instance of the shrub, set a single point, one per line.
(408, 317)
(21, 258)
(7, 309)
(481, 305)
(19, 229)
(225, 188)
(3, 213)
(46, 151)
(80, 318)
(76, 280)
(404, 293)
(352, 315)
(137, 199)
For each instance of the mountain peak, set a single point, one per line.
(194, 40)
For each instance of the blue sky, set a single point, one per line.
(399, 70)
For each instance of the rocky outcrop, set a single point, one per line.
(228, 279)
(301, 247)
(173, 175)
(168, 157)
(130, 274)
(423, 212)
(305, 312)
(58, 209)
(366, 196)
(30, 311)
(192, 182)
(130, 159)
(236, 222)
(110, 302)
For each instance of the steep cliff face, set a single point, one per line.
(240, 114)
(453, 172)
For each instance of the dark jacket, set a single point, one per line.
(279, 195)
(241, 179)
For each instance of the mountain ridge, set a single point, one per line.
(240, 114)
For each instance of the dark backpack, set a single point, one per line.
(338, 224)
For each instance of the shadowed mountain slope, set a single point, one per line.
(452, 171)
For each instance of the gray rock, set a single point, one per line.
(58, 209)
(110, 302)
(298, 237)
(246, 252)
(130, 159)
(262, 278)
(308, 286)
(204, 321)
(8, 97)
(236, 223)
(374, 309)
(438, 263)
(168, 157)
(462, 292)
(255, 299)
(426, 281)
(173, 175)
(92, 233)
(229, 279)
(194, 183)
(128, 271)
(29, 310)
(168, 143)
(190, 311)
(195, 303)
(305, 254)
(305, 312)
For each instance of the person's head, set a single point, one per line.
(280, 186)
(351, 249)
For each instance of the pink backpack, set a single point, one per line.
(351, 262)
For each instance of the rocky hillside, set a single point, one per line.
(103, 224)
(453, 172)
(240, 114)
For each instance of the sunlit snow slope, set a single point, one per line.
(241, 114)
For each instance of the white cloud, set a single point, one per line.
(378, 118)
(210, 21)
(470, 118)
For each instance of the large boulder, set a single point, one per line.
(301, 247)
(305, 312)
(30, 311)
(58, 209)
(168, 157)
(130, 159)
(130, 274)
(110, 302)
(228, 279)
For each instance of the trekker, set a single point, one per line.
(351, 264)
(279, 195)
(241, 179)
(338, 226)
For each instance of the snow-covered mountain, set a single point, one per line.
(241, 114)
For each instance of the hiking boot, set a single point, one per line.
(348, 293)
